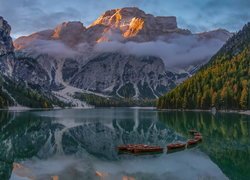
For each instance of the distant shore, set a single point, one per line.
(22, 108)
(245, 112)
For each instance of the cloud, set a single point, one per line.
(180, 51)
(177, 52)
(54, 48)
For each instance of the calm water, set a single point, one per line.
(78, 144)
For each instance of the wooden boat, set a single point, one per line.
(147, 149)
(176, 146)
(131, 148)
(192, 141)
(127, 147)
(123, 147)
(139, 148)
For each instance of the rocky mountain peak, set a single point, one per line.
(67, 28)
(119, 17)
(221, 34)
(132, 21)
(6, 45)
(6, 48)
(125, 24)
(4, 25)
(69, 32)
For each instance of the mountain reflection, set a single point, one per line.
(25, 135)
(91, 136)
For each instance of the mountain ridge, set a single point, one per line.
(58, 60)
(128, 24)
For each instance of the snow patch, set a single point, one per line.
(66, 95)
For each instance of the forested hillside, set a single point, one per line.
(14, 94)
(224, 82)
(99, 101)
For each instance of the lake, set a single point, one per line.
(81, 144)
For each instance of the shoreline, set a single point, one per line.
(23, 108)
(247, 112)
(244, 112)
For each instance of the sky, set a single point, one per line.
(28, 16)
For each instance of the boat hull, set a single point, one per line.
(140, 149)
(174, 146)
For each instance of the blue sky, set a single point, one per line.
(27, 16)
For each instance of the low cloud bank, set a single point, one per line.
(52, 47)
(178, 52)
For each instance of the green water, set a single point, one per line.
(74, 144)
(226, 138)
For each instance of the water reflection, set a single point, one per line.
(20, 137)
(77, 143)
(226, 138)
(194, 163)
(101, 133)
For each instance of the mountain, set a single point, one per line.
(224, 82)
(122, 75)
(118, 24)
(14, 91)
(6, 59)
(6, 48)
(134, 24)
(125, 53)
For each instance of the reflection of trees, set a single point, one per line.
(21, 136)
(5, 164)
(5, 170)
(226, 138)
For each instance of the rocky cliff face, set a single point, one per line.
(6, 48)
(121, 75)
(111, 74)
(134, 24)
(5, 39)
